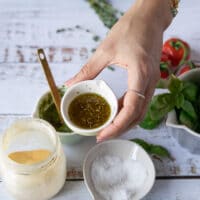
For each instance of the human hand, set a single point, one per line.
(134, 43)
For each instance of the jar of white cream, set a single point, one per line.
(33, 164)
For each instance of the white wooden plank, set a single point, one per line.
(72, 190)
(27, 25)
(162, 190)
(51, 12)
(184, 163)
(175, 190)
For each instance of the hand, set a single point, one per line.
(134, 43)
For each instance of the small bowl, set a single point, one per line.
(185, 136)
(65, 137)
(90, 86)
(126, 150)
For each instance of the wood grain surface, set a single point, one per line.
(66, 30)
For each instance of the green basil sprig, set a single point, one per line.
(153, 149)
(183, 96)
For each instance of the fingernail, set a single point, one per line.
(100, 140)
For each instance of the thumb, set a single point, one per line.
(91, 69)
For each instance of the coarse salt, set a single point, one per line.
(115, 178)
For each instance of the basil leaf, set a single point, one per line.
(143, 144)
(186, 120)
(161, 105)
(159, 151)
(179, 100)
(148, 123)
(153, 149)
(163, 83)
(189, 109)
(190, 91)
(175, 85)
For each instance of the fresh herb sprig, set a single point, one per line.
(183, 97)
(152, 149)
(105, 11)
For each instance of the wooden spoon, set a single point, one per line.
(54, 90)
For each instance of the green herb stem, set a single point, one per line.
(105, 11)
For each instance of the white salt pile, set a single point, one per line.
(117, 179)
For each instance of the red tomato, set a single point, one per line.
(165, 59)
(165, 65)
(177, 50)
(185, 67)
(164, 74)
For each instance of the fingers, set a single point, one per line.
(137, 115)
(134, 106)
(90, 70)
(131, 110)
(137, 79)
(148, 96)
(129, 115)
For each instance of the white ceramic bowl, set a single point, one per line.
(90, 86)
(65, 137)
(186, 137)
(126, 150)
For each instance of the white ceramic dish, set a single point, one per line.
(65, 137)
(90, 86)
(186, 137)
(126, 150)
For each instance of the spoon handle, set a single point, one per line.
(54, 91)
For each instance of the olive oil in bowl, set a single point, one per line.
(88, 107)
(89, 111)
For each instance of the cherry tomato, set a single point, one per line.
(165, 65)
(177, 50)
(185, 67)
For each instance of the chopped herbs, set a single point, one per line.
(78, 26)
(93, 50)
(48, 112)
(89, 110)
(111, 68)
(96, 38)
(60, 30)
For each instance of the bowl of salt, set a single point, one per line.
(118, 170)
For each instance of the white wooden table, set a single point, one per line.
(65, 29)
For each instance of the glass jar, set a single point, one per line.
(36, 181)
